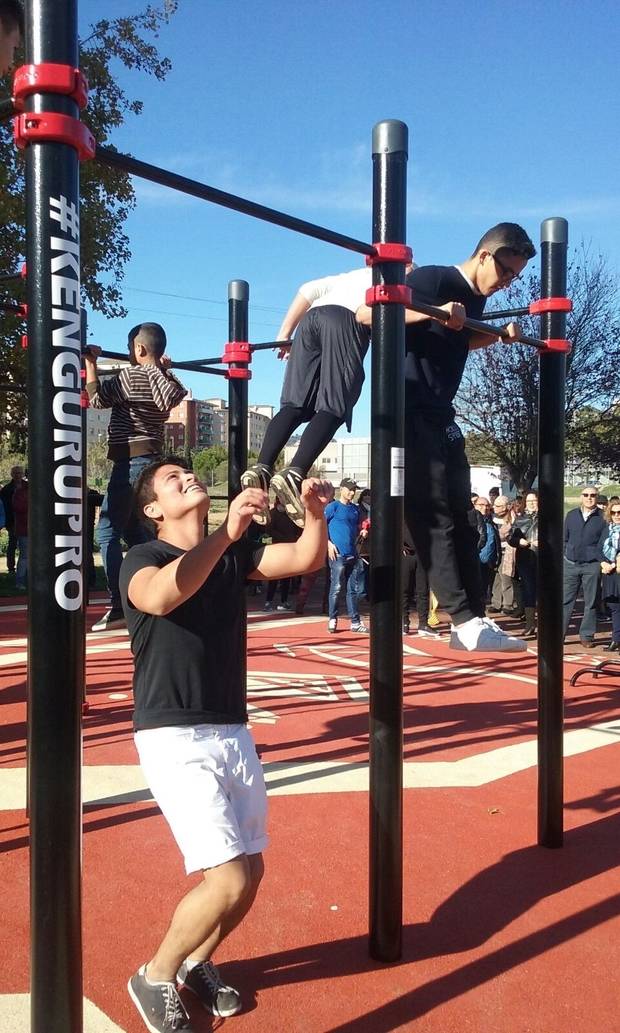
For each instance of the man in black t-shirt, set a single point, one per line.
(184, 599)
(437, 475)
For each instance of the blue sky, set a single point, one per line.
(513, 112)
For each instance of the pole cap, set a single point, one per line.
(238, 290)
(390, 137)
(554, 231)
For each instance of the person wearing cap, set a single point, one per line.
(11, 32)
(343, 521)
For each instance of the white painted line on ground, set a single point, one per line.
(111, 785)
(15, 1016)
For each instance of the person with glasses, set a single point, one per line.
(584, 529)
(437, 474)
(610, 569)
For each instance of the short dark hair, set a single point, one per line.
(143, 491)
(508, 235)
(152, 336)
(12, 15)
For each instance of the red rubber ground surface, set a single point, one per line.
(499, 934)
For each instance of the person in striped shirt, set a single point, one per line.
(140, 397)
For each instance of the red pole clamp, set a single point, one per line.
(237, 351)
(557, 344)
(84, 399)
(49, 78)
(538, 308)
(24, 341)
(390, 253)
(388, 293)
(51, 127)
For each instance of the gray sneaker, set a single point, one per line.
(159, 1004)
(204, 981)
(360, 628)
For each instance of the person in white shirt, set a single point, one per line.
(323, 381)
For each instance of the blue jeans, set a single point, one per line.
(349, 570)
(117, 520)
(21, 571)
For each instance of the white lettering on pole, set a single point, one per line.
(66, 409)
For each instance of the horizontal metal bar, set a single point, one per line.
(10, 306)
(199, 367)
(506, 313)
(478, 326)
(10, 277)
(7, 109)
(17, 389)
(116, 160)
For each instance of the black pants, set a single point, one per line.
(527, 572)
(437, 505)
(415, 579)
(10, 550)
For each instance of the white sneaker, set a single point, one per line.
(477, 635)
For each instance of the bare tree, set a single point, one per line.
(498, 398)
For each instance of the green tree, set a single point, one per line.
(498, 398)
(107, 195)
(98, 466)
(208, 460)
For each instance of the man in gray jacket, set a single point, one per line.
(583, 529)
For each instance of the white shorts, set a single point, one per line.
(208, 782)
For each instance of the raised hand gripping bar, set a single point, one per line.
(555, 345)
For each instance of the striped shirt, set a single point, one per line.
(140, 398)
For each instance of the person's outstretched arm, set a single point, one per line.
(159, 590)
(288, 559)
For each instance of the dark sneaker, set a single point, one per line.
(424, 631)
(268, 607)
(258, 476)
(406, 628)
(284, 608)
(287, 486)
(204, 981)
(113, 618)
(159, 1004)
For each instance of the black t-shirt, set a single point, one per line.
(435, 356)
(188, 668)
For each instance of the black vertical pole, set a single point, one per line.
(554, 247)
(389, 146)
(238, 304)
(238, 328)
(56, 613)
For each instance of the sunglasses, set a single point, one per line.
(589, 495)
(615, 512)
(507, 273)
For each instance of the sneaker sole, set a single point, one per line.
(289, 499)
(520, 647)
(251, 480)
(220, 1013)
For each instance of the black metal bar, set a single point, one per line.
(194, 367)
(56, 610)
(238, 308)
(238, 328)
(7, 109)
(11, 277)
(505, 313)
(387, 486)
(478, 326)
(263, 346)
(551, 418)
(115, 160)
(10, 306)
